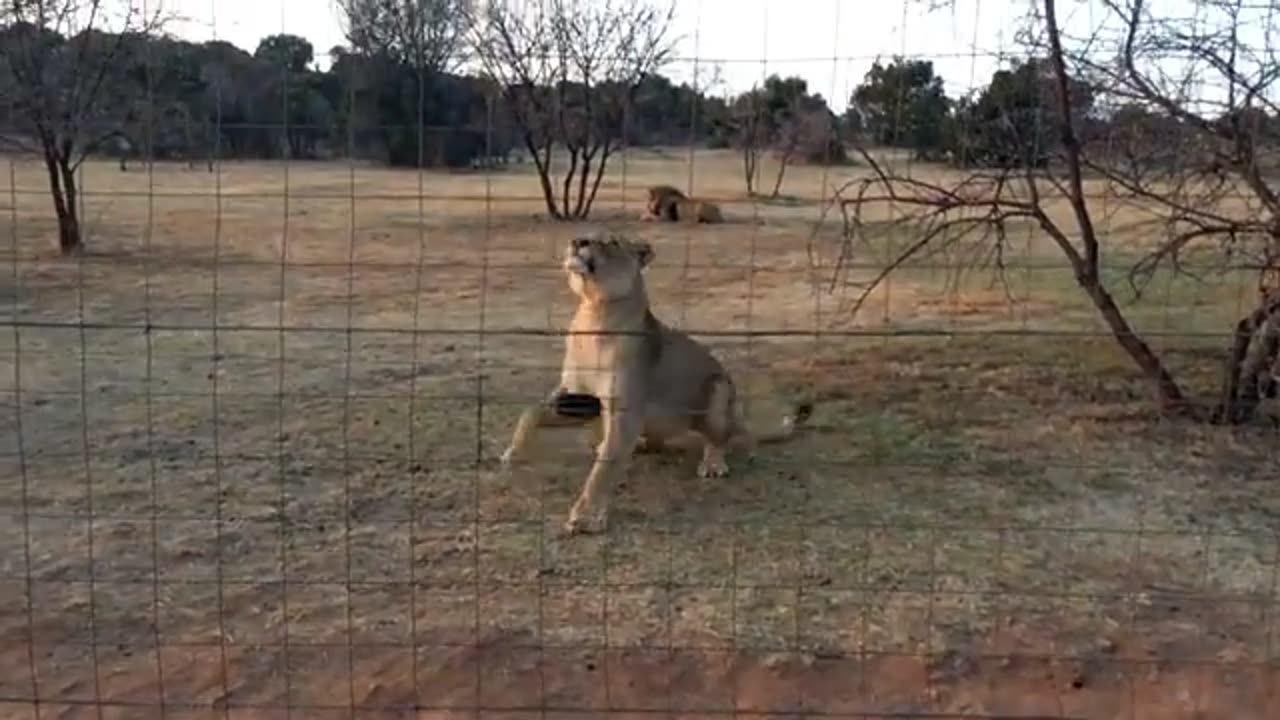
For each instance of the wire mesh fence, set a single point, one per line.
(270, 323)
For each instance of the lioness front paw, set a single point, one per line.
(712, 468)
(508, 457)
(585, 520)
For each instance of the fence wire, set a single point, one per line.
(252, 426)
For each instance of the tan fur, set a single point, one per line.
(669, 204)
(654, 383)
(698, 211)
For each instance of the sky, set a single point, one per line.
(831, 43)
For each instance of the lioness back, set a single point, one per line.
(682, 377)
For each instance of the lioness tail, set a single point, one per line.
(791, 422)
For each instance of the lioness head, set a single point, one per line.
(605, 267)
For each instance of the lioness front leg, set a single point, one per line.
(620, 429)
(717, 427)
(534, 417)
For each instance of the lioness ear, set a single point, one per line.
(644, 252)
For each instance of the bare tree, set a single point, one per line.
(751, 133)
(805, 132)
(568, 71)
(1225, 147)
(774, 116)
(61, 69)
(1227, 136)
(785, 147)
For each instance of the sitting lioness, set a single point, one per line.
(653, 382)
(668, 203)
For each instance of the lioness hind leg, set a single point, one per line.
(645, 444)
(717, 427)
(650, 444)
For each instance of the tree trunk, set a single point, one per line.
(749, 168)
(782, 171)
(1254, 348)
(62, 186)
(595, 185)
(581, 208)
(1172, 399)
(543, 166)
(568, 182)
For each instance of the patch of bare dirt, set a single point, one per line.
(506, 676)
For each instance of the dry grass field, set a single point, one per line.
(248, 452)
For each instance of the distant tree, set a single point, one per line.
(291, 97)
(902, 104)
(786, 102)
(397, 82)
(181, 81)
(569, 72)
(1135, 138)
(62, 70)
(669, 114)
(782, 116)
(427, 35)
(290, 52)
(1011, 123)
(716, 125)
(232, 100)
(853, 127)
(158, 82)
(819, 138)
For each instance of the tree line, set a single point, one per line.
(83, 78)
(457, 83)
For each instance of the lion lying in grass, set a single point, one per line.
(668, 203)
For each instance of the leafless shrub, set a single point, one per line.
(568, 72)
